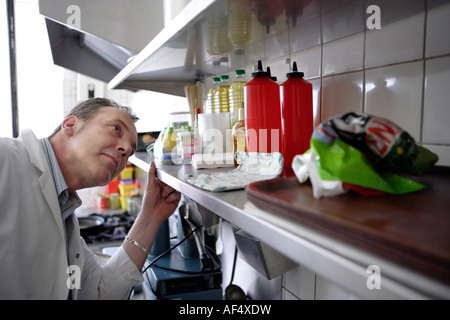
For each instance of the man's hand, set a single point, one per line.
(160, 200)
(158, 204)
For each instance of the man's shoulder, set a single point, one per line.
(9, 146)
(12, 150)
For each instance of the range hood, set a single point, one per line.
(98, 37)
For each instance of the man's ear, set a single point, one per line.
(69, 124)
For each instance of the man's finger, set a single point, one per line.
(167, 191)
(173, 197)
(151, 174)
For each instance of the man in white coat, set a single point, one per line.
(42, 255)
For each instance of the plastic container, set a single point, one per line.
(114, 201)
(185, 144)
(156, 150)
(222, 95)
(296, 114)
(112, 187)
(124, 202)
(238, 134)
(127, 173)
(236, 95)
(101, 201)
(239, 24)
(217, 43)
(126, 188)
(169, 141)
(210, 102)
(196, 136)
(215, 132)
(262, 113)
(179, 119)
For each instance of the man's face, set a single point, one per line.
(102, 145)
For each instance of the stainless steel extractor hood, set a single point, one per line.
(98, 37)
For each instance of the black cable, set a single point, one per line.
(212, 254)
(170, 249)
(234, 264)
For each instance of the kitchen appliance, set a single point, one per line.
(105, 228)
(183, 267)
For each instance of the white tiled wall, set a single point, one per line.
(400, 71)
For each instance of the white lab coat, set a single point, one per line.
(33, 258)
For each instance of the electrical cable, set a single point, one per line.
(153, 262)
(234, 264)
(207, 250)
(170, 249)
(210, 251)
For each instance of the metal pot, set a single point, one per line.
(91, 225)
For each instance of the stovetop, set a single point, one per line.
(115, 227)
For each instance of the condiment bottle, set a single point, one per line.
(238, 133)
(210, 97)
(262, 113)
(196, 137)
(169, 142)
(296, 114)
(236, 95)
(239, 25)
(221, 102)
(185, 144)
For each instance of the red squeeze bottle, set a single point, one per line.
(262, 113)
(296, 114)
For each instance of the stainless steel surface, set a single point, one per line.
(172, 8)
(130, 24)
(344, 264)
(263, 258)
(85, 53)
(166, 63)
(98, 37)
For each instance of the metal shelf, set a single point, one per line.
(166, 64)
(340, 262)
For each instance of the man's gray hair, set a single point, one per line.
(87, 109)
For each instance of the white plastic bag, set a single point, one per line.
(304, 167)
